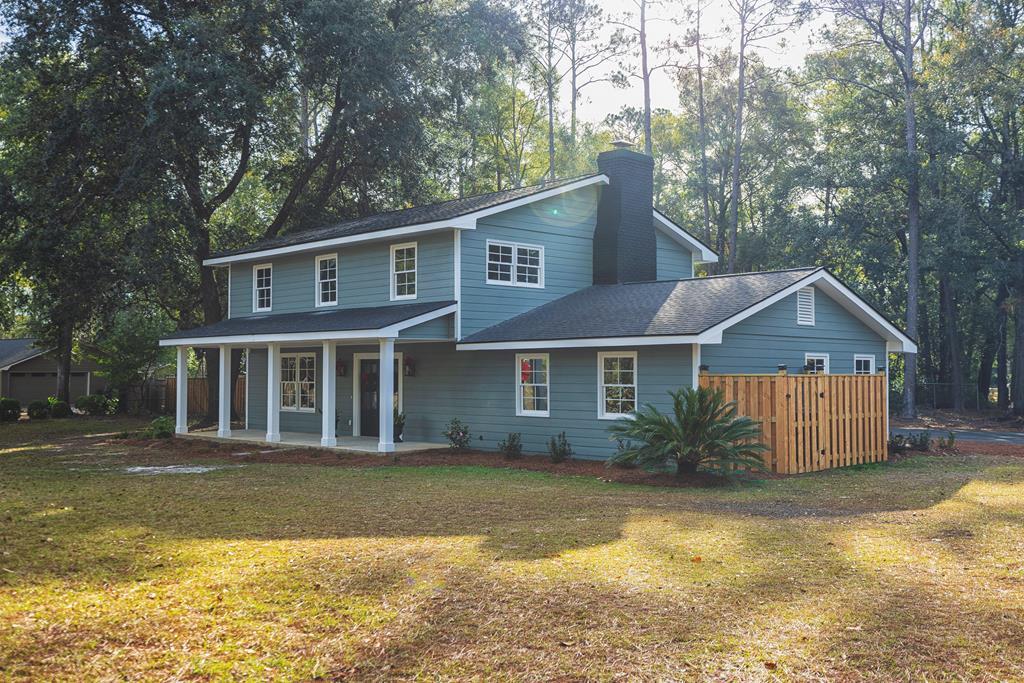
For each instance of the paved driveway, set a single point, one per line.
(1016, 438)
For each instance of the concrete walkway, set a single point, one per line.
(1015, 438)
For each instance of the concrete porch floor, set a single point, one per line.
(355, 444)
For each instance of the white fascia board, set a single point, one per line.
(465, 222)
(896, 341)
(702, 252)
(594, 342)
(303, 337)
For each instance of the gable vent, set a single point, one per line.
(805, 306)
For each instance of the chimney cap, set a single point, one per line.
(622, 144)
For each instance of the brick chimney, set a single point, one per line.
(624, 247)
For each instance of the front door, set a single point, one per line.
(369, 396)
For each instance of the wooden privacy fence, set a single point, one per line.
(812, 422)
(197, 395)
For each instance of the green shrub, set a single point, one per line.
(38, 410)
(457, 434)
(10, 410)
(559, 448)
(59, 409)
(512, 446)
(161, 428)
(93, 404)
(703, 431)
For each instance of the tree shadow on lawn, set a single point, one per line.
(434, 577)
(62, 522)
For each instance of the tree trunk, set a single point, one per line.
(573, 98)
(212, 313)
(913, 210)
(1018, 357)
(1002, 361)
(953, 359)
(734, 211)
(65, 340)
(685, 468)
(550, 78)
(645, 72)
(702, 124)
(990, 348)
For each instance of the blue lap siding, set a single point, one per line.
(364, 276)
(772, 337)
(675, 262)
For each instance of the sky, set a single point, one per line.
(601, 99)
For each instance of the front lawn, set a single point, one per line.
(907, 571)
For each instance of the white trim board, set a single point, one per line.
(464, 222)
(339, 335)
(701, 252)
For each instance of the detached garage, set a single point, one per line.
(29, 373)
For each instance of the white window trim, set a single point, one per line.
(415, 269)
(316, 280)
(519, 385)
(515, 264)
(601, 355)
(864, 356)
(799, 292)
(296, 356)
(809, 356)
(255, 298)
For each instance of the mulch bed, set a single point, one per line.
(258, 454)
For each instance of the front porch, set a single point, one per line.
(353, 444)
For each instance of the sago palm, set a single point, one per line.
(703, 431)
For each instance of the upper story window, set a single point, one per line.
(403, 271)
(805, 306)
(816, 363)
(327, 280)
(262, 287)
(617, 379)
(532, 384)
(298, 382)
(517, 265)
(863, 365)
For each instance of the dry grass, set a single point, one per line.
(909, 571)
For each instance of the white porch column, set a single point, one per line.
(224, 393)
(330, 356)
(181, 392)
(273, 393)
(386, 444)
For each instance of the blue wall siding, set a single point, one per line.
(364, 276)
(675, 262)
(479, 388)
(256, 388)
(766, 339)
(438, 328)
(563, 225)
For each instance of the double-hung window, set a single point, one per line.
(515, 265)
(863, 364)
(262, 286)
(327, 280)
(816, 363)
(532, 385)
(617, 380)
(403, 271)
(298, 382)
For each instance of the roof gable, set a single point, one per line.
(14, 351)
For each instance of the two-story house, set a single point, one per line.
(539, 310)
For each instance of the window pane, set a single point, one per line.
(499, 262)
(528, 265)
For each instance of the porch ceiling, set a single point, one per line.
(350, 323)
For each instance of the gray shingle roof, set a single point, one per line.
(664, 307)
(313, 321)
(402, 217)
(17, 350)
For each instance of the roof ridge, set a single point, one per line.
(809, 269)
